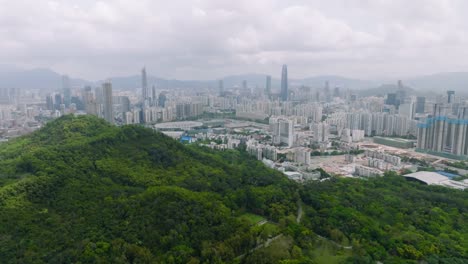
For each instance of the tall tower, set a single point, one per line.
(221, 87)
(268, 86)
(450, 97)
(107, 102)
(327, 92)
(420, 104)
(284, 83)
(144, 85)
(66, 90)
(154, 97)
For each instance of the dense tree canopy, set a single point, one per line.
(82, 191)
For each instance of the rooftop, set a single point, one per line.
(434, 178)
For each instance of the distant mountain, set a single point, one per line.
(334, 81)
(134, 81)
(457, 81)
(46, 79)
(43, 79)
(259, 80)
(384, 89)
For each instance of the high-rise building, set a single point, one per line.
(326, 92)
(58, 100)
(162, 100)
(321, 132)
(121, 104)
(66, 90)
(336, 92)
(407, 109)
(268, 85)
(108, 108)
(284, 83)
(282, 130)
(420, 105)
(450, 97)
(144, 86)
(391, 99)
(50, 102)
(244, 85)
(445, 132)
(153, 95)
(221, 87)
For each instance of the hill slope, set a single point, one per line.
(81, 190)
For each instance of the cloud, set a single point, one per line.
(210, 38)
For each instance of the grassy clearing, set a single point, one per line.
(327, 253)
(253, 219)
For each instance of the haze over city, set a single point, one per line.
(210, 39)
(234, 132)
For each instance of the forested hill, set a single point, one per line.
(82, 191)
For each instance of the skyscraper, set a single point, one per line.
(221, 87)
(268, 86)
(420, 104)
(58, 101)
(162, 99)
(50, 102)
(154, 97)
(107, 102)
(392, 99)
(284, 83)
(66, 90)
(144, 85)
(450, 97)
(282, 130)
(327, 92)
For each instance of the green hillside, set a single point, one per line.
(82, 191)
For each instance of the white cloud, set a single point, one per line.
(210, 38)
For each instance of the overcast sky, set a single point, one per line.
(207, 39)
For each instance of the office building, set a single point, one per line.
(221, 87)
(391, 99)
(162, 99)
(108, 110)
(284, 84)
(450, 97)
(66, 90)
(420, 105)
(154, 98)
(282, 130)
(244, 85)
(58, 100)
(50, 102)
(407, 109)
(268, 86)
(144, 86)
(326, 92)
(321, 132)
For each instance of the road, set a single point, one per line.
(299, 212)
